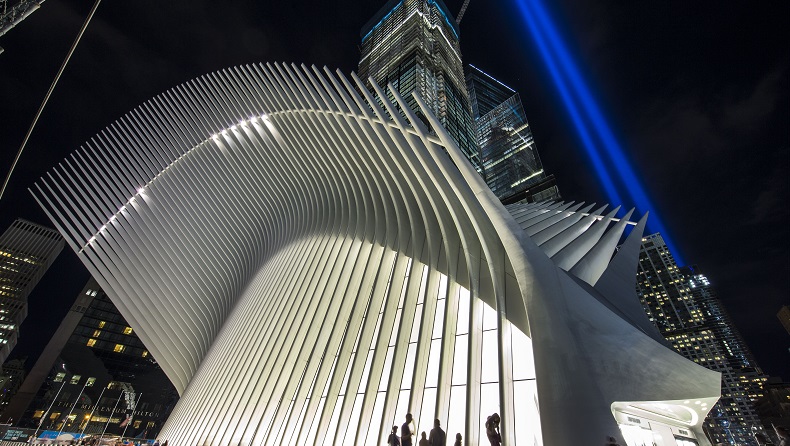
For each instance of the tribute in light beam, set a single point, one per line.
(610, 163)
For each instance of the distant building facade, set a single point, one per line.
(511, 163)
(414, 44)
(95, 369)
(681, 302)
(11, 377)
(784, 317)
(774, 406)
(26, 252)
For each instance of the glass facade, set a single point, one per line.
(103, 378)
(683, 304)
(26, 252)
(413, 44)
(511, 164)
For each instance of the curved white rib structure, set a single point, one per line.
(307, 270)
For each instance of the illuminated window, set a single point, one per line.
(96, 333)
(90, 382)
(127, 330)
(145, 353)
(91, 342)
(54, 416)
(119, 348)
(101, 324)
(59, 377)
(76, 379)
(38, 414)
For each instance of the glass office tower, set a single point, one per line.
(511, 164)
(683, 304)
(414, 45)
(26, 252)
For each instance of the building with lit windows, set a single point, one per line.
(11, 376)
(375, 276)
(774, 407)
(414, 45)
(94, 375)
(510, 159)
(26, 252)
(683, 304)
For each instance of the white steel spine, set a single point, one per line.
(307, 267)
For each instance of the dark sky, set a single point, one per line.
(697, 93)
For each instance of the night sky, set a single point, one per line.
(697, 93)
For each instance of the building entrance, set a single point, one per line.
(674, 423)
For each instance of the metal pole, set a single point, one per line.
(35, 434)
(92, 411)
(132, 417)
(72, 408)
(123, 392)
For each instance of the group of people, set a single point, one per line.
(437, 437)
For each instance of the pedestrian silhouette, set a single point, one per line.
(393, 438)
(406, 431)
(437, 436)
(492, 430)
(423, 440)
(458, 439)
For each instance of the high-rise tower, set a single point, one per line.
(414, 45)
(26, 252)
(511, 164)
(683, 304)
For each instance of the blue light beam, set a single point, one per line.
(598, 139)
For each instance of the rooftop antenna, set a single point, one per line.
(461, 12)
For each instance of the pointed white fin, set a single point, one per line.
(537, 227)
(561, 240)
(618, 282)
(594, 263)
(574, 251)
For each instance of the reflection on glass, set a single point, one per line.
(525, 397)
(456, 422)
(463, 312)
(490, 358)
(460, 359)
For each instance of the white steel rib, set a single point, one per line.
(307, 267)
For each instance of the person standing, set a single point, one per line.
(492, 430)
(407, 431)
(437, 436)
(393, 438)
(458, 439)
